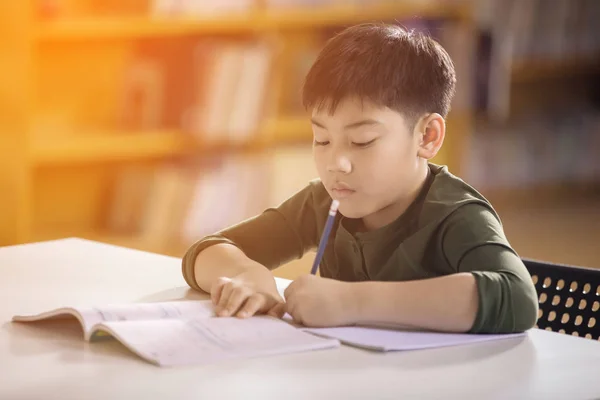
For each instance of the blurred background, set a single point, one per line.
(150, 123)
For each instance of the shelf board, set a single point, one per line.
(111, 147)
(288, 130)
(532, 70)
(543, 193)
(251, 21)
(131, 146)
(127, 146)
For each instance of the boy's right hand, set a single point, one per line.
(247, 294)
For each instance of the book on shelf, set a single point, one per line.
(214, 90)
(295, 4)
(166, 204)
(229, 107)
(182, 202)
(129, 193)
(198, 8)
(229, 191)
(143, 97)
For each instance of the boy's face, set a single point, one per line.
(365, 156)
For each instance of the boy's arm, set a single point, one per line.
(507, 299)
(276, 236)
(447, 303)
(492, 291)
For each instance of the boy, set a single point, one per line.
(412, 244)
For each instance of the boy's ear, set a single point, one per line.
(430, 132)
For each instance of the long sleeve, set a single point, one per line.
(474, 242)
(272, 238)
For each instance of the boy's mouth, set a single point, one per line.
(342, 191)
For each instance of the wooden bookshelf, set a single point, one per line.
(86, 28)
(58, 85)
(523, 71)
(288, 130)
(546, 194)
(112, 146)
(128, 146)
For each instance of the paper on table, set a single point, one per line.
(205, 340)
(394, 340)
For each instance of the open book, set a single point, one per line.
(187, 332)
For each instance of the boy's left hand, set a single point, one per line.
(320, 302)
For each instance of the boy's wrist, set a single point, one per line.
(355, 301)
(368, 298)
(258, 277)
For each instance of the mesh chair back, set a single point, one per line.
(569, 298)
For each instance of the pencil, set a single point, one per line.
(325, 236)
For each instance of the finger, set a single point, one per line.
(226, 292)
(217, 289)
(289, 291)
(252, 305)
(236, 300)
(294, 309)
(277, 311)
(296, 316)
(290, 308)
(290, 303)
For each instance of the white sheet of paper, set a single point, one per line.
(394, 340)
(206, 340)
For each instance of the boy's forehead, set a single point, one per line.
(353, 109)
(348, 107)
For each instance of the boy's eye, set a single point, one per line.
(363, 144)
(317, 143)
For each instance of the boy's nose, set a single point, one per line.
(339, 163)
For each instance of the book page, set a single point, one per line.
(90, 316)
(147, 311)
(201, 341)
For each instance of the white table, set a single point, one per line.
(53, 362)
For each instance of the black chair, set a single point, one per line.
(569, 298)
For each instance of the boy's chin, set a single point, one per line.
(351, 212)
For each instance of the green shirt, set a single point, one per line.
(449, 228)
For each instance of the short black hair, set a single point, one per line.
(392, 67)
